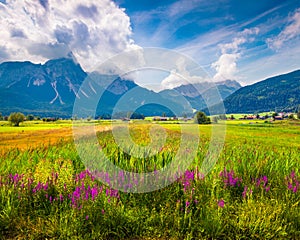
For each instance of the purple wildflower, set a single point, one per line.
(94, 192)
(187, 179)
(189, 175)
(82, 175)
(293, 182)
(293, 175)
(245, 192)
(229, 178)
(221, 203)
(295, 189)
(264, 182)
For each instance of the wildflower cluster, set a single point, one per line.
(229, 178)
(84, 189)
(293, 183)
(262, 182)
(187, 180)
(247, 191)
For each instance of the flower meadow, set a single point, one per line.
(253, 192)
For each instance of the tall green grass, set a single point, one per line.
(252, 192)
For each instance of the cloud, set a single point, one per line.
(270, 65)
(182, 75)
(173, 80)
(3, 53)
(226, 65)
(38, 30)
(290, 32)
(160, 26)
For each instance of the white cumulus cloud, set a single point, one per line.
(181, 75)
(226, 65)
(38, 30)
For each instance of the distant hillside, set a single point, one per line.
(280, 93)
(201, 94)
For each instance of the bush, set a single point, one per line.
(30, 117)
(201, 118)
(16, 118)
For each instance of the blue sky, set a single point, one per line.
(243, 40)
(240, 40)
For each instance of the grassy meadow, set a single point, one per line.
(253, 191)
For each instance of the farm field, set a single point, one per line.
(253, 191)
(34, 134)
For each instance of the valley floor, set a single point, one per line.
(48, 191)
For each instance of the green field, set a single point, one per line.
(252, 192)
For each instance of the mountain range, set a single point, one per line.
(51, 89)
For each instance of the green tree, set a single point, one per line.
(291, 116)
(16, 118)
(1, 117)
(298, 114)
(30, 117)
(275, 114)
(136, 115)
(201, 118)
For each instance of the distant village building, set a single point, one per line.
(278, 117)
(157, 118)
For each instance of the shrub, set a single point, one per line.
(16, 118)
(201, 118)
